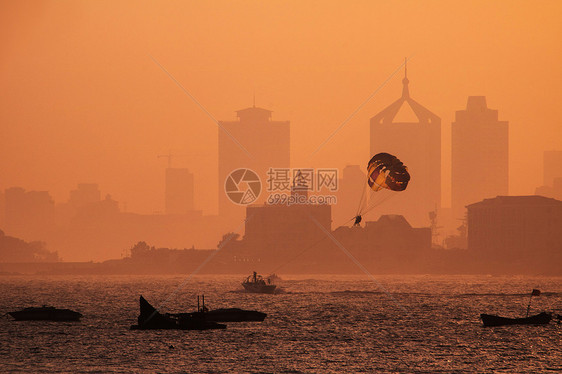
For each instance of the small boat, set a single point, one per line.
(257, 284)
(45, 313)
(151, 319)
(539, 319)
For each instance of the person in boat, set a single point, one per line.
(357, 220)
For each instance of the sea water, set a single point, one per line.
(316, 323)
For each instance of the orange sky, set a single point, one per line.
(82, 101)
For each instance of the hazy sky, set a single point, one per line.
(81, 100)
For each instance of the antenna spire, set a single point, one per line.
(405, 81)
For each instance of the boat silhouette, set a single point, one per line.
(538, 319)
(45, 313)
(257, 284)
(151, 319)
(543, 318)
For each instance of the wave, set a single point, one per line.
(504, 294)
(356, 292)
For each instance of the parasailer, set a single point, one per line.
(384, 171)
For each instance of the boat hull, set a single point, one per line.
(491, 320)
(232, 315)
(259, 288)
(46, 314)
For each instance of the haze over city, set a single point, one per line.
(280, 186)
(84, 101)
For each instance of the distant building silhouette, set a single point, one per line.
(351, 185)
(29, 214)
(14, 250)
(84, 194)
(552, 175)
(515, 226)
(273, 231)
(179, 191)
(267, 143)
(552, 167)
(103, 212)
(417, 143)
(554, 191)
(390, 234)
(479, 160)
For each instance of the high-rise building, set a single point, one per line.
(416, 141)
(552, 175)
(479, 155)
(552, 166)
(252, 142)
(179, 191)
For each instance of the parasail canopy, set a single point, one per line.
(387, 171)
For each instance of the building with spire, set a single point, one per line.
(252, 142)
(479, 157)
(416, 141)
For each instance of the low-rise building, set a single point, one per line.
(515, 225)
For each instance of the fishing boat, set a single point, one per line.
(542, 318)
(151, 319)
(539, 319)
(45, 313)
(257, 284)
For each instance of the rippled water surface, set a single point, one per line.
(317, 324)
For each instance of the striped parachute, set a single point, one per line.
(386, 171)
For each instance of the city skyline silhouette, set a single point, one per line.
(88, 108)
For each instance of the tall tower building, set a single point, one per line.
(179, 191)
(479, 155)
(416, 141)
(252, 142)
